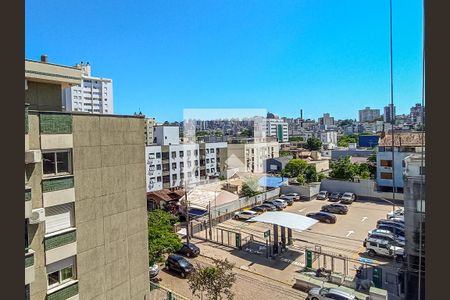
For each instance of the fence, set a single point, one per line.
(158, 292)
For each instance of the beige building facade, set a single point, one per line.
(250, 157)
(85, 205)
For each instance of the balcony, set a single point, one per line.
(29, 266)
(66, 291)
(28, 205)
(57, 184)
(60, 245)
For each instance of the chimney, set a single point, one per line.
(44, 58)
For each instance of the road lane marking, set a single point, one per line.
(349, 233)
(300, 210)
(363, 219)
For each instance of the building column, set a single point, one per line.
(289, 236)
(283, 237)
(275, 239)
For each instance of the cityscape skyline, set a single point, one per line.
(214, 55)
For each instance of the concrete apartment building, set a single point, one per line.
(390, 173)
(389, 113)
(414, 204)
(369, 114)
(326, 120)
(279, 129)
(251, 157)
(329, 138)
(93, 95)
(86, 233)
(149, 124)
(171, 164)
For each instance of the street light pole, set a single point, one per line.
(187, 213)
(390, 202)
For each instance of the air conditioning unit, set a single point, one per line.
(33, 156)
(37, 216)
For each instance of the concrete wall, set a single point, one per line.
(44, 96)
(306, 192)
(110, 207)
(364, 189)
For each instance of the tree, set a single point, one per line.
(311, 174)
(313, 144)
(285, 153)
(216, 281)
(296, 139)
(294, 168)
(250, 187)
(161, 238)
(343, 141)
(343, 169)
(301, 179)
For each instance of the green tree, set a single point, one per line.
(250, 187)
(285, 153)
(215, 281)
(245, 133)
(343, 169)
(294, 168)
(313, 144)
(343, 141)
(320, 176)
(161, 238)
(296, 139)
(311, 174)
(301, 179)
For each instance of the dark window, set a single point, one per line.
(385, 175)
(53, 278)
(158, 155)
(56, 163)
(174, 165)
(158, 179)
(158, 167)
(386, 163)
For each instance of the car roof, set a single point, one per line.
(323, 192)
(340, 292)
(325, 213)
(176, 257)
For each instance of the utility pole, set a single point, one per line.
(187, 213)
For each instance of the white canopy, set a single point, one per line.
(289, 220)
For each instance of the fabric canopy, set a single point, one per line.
(289, 220)
(270, 181)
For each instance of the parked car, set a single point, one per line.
(397, 231)
(336, 208)
(394, 221)
(179, 264)
(397, 213)
(270, 207)
(348, 198)
(334, 197)
(189, 250)
(283, 202)
(245, 214)
(289, 200)
(295, 196)
(323, 195)
(260, 209)
(153, 271)
(328, 294)
(383, 248)
(388, 236)
(322, 217)
(278, 205)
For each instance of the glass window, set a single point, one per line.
(158, 155)
(56, 163)
(62, 162)
(386, 163)
(66, 274)
(158, 167)
(158, 179)
(385, 175)
(53, 278)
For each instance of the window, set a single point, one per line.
(174, 176)
(61, 272)
(207, 160)
(188, 152)
(386, 163)
(385, 175)
(174, 154)
(56, 163)
(158, 167)
(158, 155)
(422, 170)
(158, 179)
(373, 244)
(59, 217)
(181, 164)
(196, 172)
(195, 152)
(174, 166)
(181, 154)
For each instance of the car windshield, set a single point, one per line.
(334, 194)
(183, 263)
(322, 193)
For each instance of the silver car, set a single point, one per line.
(329, 294)
(153, 271)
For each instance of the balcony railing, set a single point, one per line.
(61, 239)
(29, 259)
(56, 184)
(64, 293)
(55, 123)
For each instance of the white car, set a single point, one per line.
(245, 214)
(328, 294)
(294, 196)
(281, 201)
(348, 198)
(396, 214)
(383, 248)
(387, 235)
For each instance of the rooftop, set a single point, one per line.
(403, 139)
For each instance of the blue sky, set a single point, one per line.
(165, 56)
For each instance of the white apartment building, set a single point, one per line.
(164, 135)
(213, 157)
(150, 123)
(277, 128)
(94, 94)
(251, 157)
(328, 137)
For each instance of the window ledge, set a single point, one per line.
(59, 232)
(61, 286)
(45, 177)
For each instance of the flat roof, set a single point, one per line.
(290, 220)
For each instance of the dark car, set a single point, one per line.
(348, 198)
(189, 250)
(334, 197)
(392, 222)
(260, 209)
(289, 200)
(278, 205)
(322, 217)
(335, 208)
(270, 207)
(179, 264)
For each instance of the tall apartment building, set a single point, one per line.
(279, 129)
(369, 114)
(170, 163)
(414, 204)
(86, 233)
(93, 95)
(389, 113)
(417, 114)
(389, 172)
(328, 137)
(149, 125)
(250, 157)
(326, 120)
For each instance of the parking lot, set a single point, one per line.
(344, 238)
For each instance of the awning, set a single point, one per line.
(289, 220)
(271, 181)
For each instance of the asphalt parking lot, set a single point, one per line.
(344, 238)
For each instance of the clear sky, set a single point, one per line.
(165, 56)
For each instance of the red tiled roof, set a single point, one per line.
(403, 139)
